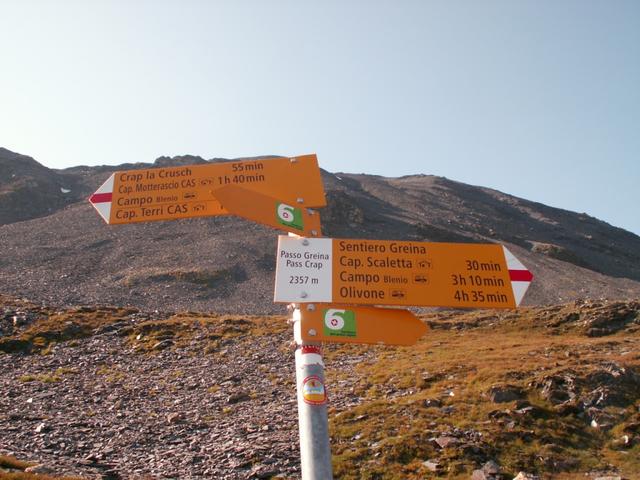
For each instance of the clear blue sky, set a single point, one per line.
(539, 99)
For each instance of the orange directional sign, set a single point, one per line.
(264, 209)
(190, 191)
(350, 324)
(384, 272)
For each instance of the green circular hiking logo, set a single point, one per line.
(290, 216)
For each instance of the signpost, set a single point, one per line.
(190, 191)
(328, 282)
(269, 211)
(324, 322)
(384, 272)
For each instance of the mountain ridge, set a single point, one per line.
(59, 251)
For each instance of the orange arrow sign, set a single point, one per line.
(190, 191)
(349, 324)
(269, 211)
(385, 272)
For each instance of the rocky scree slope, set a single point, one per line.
(226, 264)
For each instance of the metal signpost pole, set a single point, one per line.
(315, 451)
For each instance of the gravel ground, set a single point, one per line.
(115, 413)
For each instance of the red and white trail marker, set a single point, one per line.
(101, 199)
(520, 277)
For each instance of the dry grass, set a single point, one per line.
(13, 463)
(56, 376)
(182, 329)
(13, 469)
(32, 476)
(53, 327)
(203, 331)
(389, 435)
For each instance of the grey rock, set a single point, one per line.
(431, 402)
(163, 344)
(504, 393)
(110, 328)
(481, 475)
(532, 411)
(42, 427)
(491, 468)
(39, 469)
(526, 476)
(111, 475)
(175, 417)
(238, 397)
(446, 441)
(558, 389)
(261, 471)
(432, 465)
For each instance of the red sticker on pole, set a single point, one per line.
(311, 349)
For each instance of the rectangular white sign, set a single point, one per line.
(304, 270)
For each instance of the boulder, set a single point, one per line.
(505, 393)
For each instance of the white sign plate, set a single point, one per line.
(304, 270)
